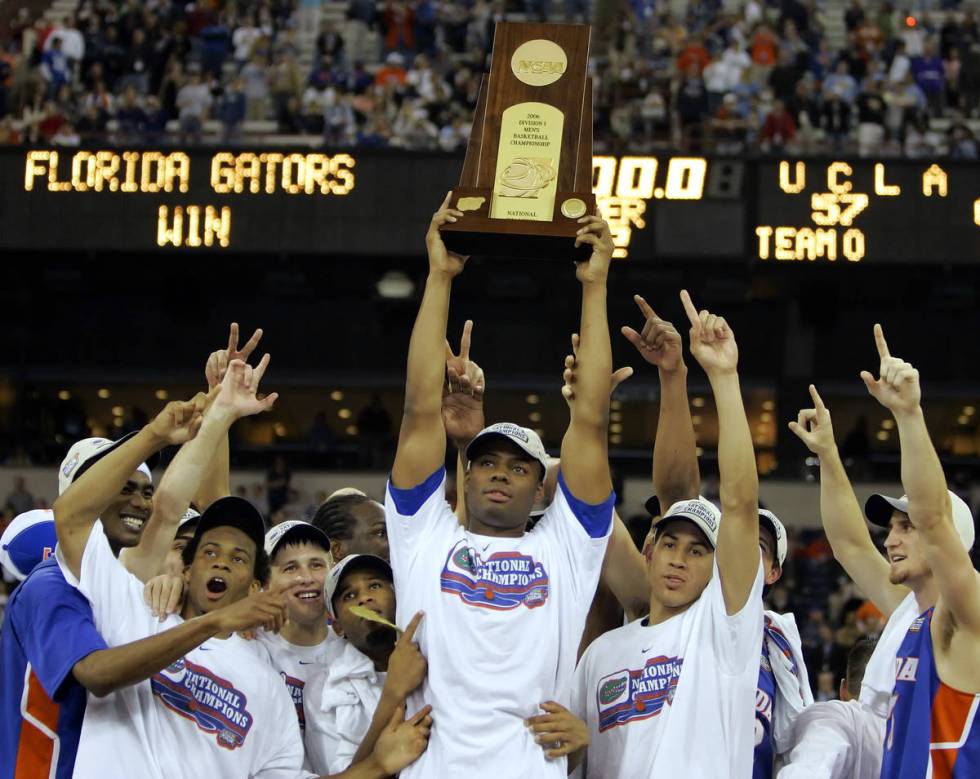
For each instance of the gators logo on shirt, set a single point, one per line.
(628, 696)
(503, 581)
(213, 703)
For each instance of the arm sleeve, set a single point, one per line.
(284, 747)
(738, 637)
(115, 595)
(414, 515)
(58, 631)
(580, 532)
(823, 744)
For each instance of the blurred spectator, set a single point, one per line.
(962, 143)
(193, 103)
(871, 119)
(842, 83)
(231, 111)
(779, 128)
(929, 74)
(20, 498)
(277, 484)
(55, 67)
(729, 127)
(691, 105)
(130, 117)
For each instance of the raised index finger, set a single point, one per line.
(233, 338)
(409, 633)
(689, 309)
(817, 400)
(648, 313)
(464, 342)
(881, 343)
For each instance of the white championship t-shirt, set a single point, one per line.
(340, 700)
(220, 711)
(674, 699)
(503, 620)
(295, 664)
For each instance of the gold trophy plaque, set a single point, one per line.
(527, 176)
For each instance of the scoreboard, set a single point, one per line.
(665, 208)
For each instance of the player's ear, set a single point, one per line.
(336, 550)
(539, 492)
(254, 587)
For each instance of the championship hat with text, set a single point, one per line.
(700, 511)
(524, 438)
(86, 453)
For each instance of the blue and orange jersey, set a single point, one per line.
(47, 628)
(933, 730)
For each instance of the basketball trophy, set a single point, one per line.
(527, 176)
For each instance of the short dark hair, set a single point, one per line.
(260, 565)
(857, 661)
(334, 516)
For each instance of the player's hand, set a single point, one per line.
(813, 426)
(712, 340)
(238, 396)
(265, 609)
(218, 362)
(462, 395)
(558, 731)
(406, 665)
(658, 343)
(441, 260)
(569, 376)
(401, 743)
(180, 420)
(594, 232)
(897, 387)
(163, 594)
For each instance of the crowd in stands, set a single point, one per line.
(406, 74)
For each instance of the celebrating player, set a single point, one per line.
(689, 670)
(369, 672)
(784, 687)
(203, 695)
(932, 726)
(504, 608)
(354, 523)
(299, 560)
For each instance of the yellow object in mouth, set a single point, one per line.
(373, 616)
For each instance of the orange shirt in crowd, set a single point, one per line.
(692, 54)
(763, 48)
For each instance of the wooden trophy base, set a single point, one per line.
(477, 233)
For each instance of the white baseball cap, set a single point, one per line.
(878, 509)
(779, 533)
(701, 511)
(524, 438)
(29, 539)
(337, 573)
(294, 530)
(84, 454)
(191, 515)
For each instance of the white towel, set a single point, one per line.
(792, 682)
(879, 676)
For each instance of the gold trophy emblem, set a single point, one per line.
(525, 177)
